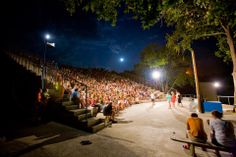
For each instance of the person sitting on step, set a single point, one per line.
(222, 132)
(195, 130)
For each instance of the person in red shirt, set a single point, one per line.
(173, 98)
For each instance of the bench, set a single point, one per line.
(206, 145)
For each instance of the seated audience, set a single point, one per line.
(195, 130)
(222, 132)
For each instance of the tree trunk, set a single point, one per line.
(196, 82)
(233, 56)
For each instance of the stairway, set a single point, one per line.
(82, 118)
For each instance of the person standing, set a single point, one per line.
(39, 105)
(173, 98)
(179, 99)
(168, 98)
(153, 99)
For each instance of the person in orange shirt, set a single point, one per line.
(195, 130)
(39, 105)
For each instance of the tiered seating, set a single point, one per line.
(103, 87)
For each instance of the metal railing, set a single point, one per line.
(189, 95)
(226, 99)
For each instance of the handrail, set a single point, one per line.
(189, 95)
(225, 96)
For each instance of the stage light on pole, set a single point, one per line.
(156, 75)
(46, 43)
(216, 84)
(47, 36)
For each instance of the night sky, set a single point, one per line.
(83, 41)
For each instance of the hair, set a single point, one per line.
(194, 115)
(217, 114)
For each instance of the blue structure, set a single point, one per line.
(209, 106)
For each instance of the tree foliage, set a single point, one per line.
(174, 66)
(192, 19)
(201, 19)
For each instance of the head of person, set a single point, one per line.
(194, 115)
(217, 114)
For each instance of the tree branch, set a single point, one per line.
(212, 34)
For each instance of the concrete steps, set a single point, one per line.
(93, 121)
(82, 119)
(77, 112)
(84, 116)
(67, 103)
(71, 107)
(97, 127)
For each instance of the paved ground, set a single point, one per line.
(141, 131)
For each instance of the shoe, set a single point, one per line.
(204, 149)
(185, 146)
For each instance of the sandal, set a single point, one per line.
(185, 146)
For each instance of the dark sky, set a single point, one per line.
(83, 41)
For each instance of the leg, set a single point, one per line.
(106, 120)
(192, 150)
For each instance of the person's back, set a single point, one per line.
(222, 131)
(107, 111)
(195, 130)
(75, 97)
(195, 127)
(168, 97)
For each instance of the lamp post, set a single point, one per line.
(217, 85)
(43, 76)
(156, 75)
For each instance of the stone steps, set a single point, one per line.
(71, 107)
(93, 121)
(84, 116)
(77, 112)
(67, 103)
(97, 127)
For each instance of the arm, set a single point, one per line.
(212, 132)
(188, 129)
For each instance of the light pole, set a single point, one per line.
(217, 85)
(43, 76)
(156, 75)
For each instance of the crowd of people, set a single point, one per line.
(111, 93)
(88, 87)
(173, 97)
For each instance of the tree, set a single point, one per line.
(174, 66)
(201, 19)
(192, 20)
